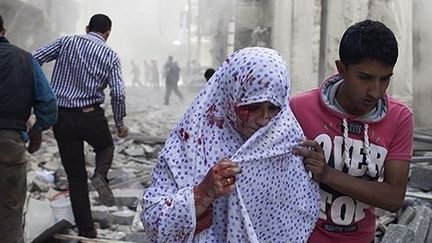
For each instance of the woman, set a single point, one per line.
(262, 192)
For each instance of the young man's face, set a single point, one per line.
(364, 84)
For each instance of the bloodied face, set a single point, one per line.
(252, 117)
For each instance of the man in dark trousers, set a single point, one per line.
(23, 86)
(84, 67)
(172, 76)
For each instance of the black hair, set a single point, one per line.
(368, 40)
(209, 73)
(1, 23)
(99, 23)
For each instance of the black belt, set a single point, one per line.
(84, 109)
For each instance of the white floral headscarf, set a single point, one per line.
(275, 199)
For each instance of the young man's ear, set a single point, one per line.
(87, 30)
(340, 67)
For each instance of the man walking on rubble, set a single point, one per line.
(84, 67)
(23, 86)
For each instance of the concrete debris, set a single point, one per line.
(398, 234)
(412, 223)
(137, 237)
(39, 185)
(102, 215)
(420, 224)
(127, 197)
(407, 216)
(38, 218)
(124, 217)
(420, 177)
(152, 151)
(135, 151)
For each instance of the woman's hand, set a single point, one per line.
(220, 179)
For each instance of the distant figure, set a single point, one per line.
(260, 36)
(147, 72)
(209, 73)
(172, 75)
(154, 73)
(136, 75)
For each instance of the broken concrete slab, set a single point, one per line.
(385, 220)
(398, 234)
(39, 185)
(124, 217)
(420, 177)
(102, 215)
(420, 223)
(134, 151)
(152, 151)
(407, 216)
(117, 176)
(429, 234)
(127, 197)
(62, 208)
(138, 237)
(47, 235)
(39, 217)
(142, 138)
(51, 163)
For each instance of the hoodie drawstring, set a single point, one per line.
(346, 159)
(366, 146)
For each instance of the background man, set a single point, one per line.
(84, 67)
(172, 76)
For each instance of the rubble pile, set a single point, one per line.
(131, 172)
(412, 223)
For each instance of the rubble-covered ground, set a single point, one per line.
(412, 223)
(150, 122)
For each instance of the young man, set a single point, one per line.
(23, 86)
(84, 67)
(361, 138)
